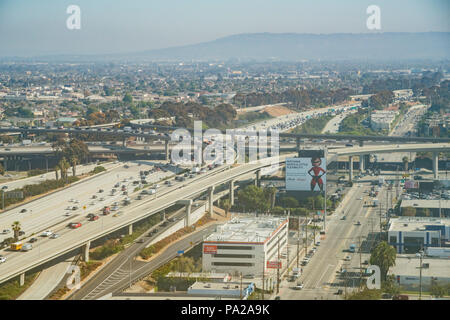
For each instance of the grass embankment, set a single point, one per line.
(155, 248)
(313, 126)
(352, 125)
(11, 290)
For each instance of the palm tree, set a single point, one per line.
(272, 193)
(56, 172)
(16, 228)
(227, 206)
(383, 255)
(74, 161)
(405, 161)
(63, 165)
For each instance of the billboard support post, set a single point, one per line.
(325, 197)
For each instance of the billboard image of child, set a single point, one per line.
(318, 172)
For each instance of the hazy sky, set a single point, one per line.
(35, 27)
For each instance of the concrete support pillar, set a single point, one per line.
(124, 142)
(258, 178)
(350, 168)
(231, 193)
(22, 279)
(166, 149)
(188, 214)
(130, 229)
(5, 163)
(436, 165)
(188, 206)
(210, 199)
(298, 143)
(361, 143)
(362, 165)
(86, 251)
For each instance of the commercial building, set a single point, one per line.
(217, 289)
(382, 120)
(407, 272)
(246, 244)
(433, 208)
(410, 234)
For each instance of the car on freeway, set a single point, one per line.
(67, 214)
(74, 208)
(23, 210)
(100, 191)
(348, 258)
(94, 196)
(47, 233)
(299, 286)
(54, 236)
(6, 231)
(118, 214)
(32, 240)
(2, 259)
(114, 208)
(75, 225)
(318, 243)
(94, 218)
(140, 241)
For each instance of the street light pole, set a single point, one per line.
(420, 273)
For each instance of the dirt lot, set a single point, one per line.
(277, 111)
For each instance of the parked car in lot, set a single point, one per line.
(6, 231)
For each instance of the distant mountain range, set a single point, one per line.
(295, 47)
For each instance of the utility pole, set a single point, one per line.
(360, 263)
(240, 291)
(420, 274)
(278, 267)
(263, 271)
(298, 239)
(306, 234)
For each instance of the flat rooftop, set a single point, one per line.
(430, 204)
(247, 229)
(416, 223)
(408, 265)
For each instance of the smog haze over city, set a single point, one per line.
(225, 151)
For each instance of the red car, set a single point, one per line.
(75, 225)
(93, 218)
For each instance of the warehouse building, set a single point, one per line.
(245, 244)
(411, 234)
(407, 272)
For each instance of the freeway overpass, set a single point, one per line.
(20, 262)
(299, 136)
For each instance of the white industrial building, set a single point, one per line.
(245, 244)
(382, 120)
(410, 234)
(407, 272)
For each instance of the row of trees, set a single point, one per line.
(186, 113)
(69, 154)
(298, 98)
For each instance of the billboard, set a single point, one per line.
(208, 248)
(307, 172)
(411, 184)
(273, 265)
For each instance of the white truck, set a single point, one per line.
(27, 247)
(26, 142)
(195, 170)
